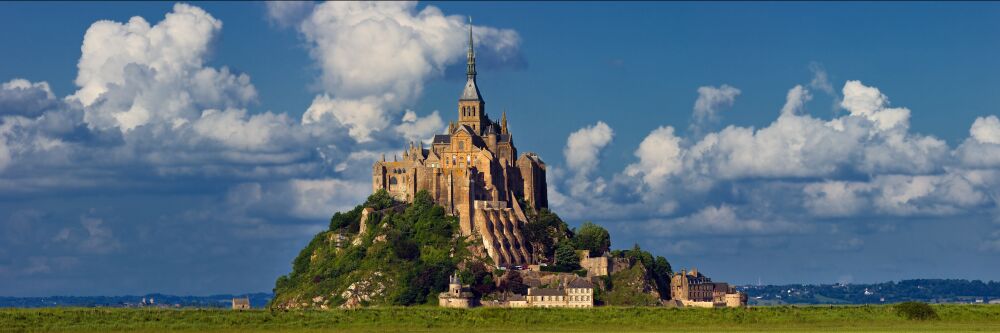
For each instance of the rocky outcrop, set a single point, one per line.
(363, 292)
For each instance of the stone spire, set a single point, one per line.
(503, 122)
(470, 71)
(471, 91)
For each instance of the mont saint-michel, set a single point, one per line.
(378, 166)
(465, 220)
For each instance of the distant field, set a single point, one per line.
(954, 318)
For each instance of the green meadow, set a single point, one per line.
(951, 318)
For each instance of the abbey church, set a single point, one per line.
(475, 173)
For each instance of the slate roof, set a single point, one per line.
(442, 138)
(579, 283)
(471, 91)
(545, 292)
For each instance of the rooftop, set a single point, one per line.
(545, 292)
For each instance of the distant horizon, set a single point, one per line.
(197, 148)
(271, 293)
(934, 292)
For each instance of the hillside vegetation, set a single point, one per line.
(403, 258)
(952, 318)
(403, 253)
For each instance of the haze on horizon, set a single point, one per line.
(195, 148)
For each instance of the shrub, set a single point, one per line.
(915, 311)
(593, 238)
(566, 258)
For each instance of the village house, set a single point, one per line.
(578, 293)
(691, 288)
(241, 303)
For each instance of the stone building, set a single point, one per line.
(697, 290)
(602, 265)
(474, 172)
(241, 303)
(578, 293)
(457, 295)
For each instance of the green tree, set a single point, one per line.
(566, 258)
(380, 200)
(661, 272)
(544, 230)
(637, 255)
(593, 238)
(349, 220)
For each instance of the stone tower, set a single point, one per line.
(471, 107)
(474, 171)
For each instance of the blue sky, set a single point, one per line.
(196, 152)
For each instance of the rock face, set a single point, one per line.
(363, 292)
(631, 287)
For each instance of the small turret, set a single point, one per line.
(454, 286)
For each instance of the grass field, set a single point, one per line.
(953, 318)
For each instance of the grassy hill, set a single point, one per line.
(403, 253)
(403, 257)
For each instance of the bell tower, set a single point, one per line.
(471, 107)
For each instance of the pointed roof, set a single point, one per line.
(503, 122)
(471, 91)
(464, 128)
(432, 156)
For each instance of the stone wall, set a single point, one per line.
(500, 230)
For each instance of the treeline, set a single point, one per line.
(257, 300)
(926, 290)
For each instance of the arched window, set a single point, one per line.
(392, 181)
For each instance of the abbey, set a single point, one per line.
(472, 172)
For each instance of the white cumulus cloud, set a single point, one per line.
(986, 130)
(415, 128)
(710, 102)
(376, 56)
